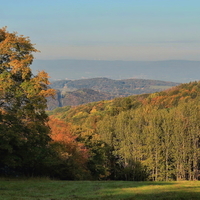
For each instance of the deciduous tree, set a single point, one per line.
(24, 133)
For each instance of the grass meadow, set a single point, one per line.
(44, 189)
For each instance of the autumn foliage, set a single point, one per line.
(73, 155)
(142, 137)
(61, 132)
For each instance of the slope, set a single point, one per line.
(149, 136)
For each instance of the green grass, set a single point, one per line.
(41, 189)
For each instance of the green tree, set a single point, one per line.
(23, 130)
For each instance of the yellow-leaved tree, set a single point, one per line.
(24, 135)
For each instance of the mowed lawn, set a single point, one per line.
(41, 189)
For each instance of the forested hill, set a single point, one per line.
(149, 135)
(114, 87)
(77, 97)
(76, 92)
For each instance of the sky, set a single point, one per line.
(138, 30)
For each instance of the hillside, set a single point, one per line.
(149, 135)
(76, 92)
(77, 97)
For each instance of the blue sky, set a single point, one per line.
(107, 29)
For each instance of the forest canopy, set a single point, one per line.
(142, 137)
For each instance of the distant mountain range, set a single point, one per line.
(76, 92)
(172, 70)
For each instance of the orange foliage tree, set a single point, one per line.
(73, 155)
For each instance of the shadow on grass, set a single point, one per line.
(153, 191)
(170, 195)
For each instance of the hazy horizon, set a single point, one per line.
(181, 71)
(78, 59)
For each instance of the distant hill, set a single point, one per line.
(181, 71)
(78, 97)
(77, 92)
